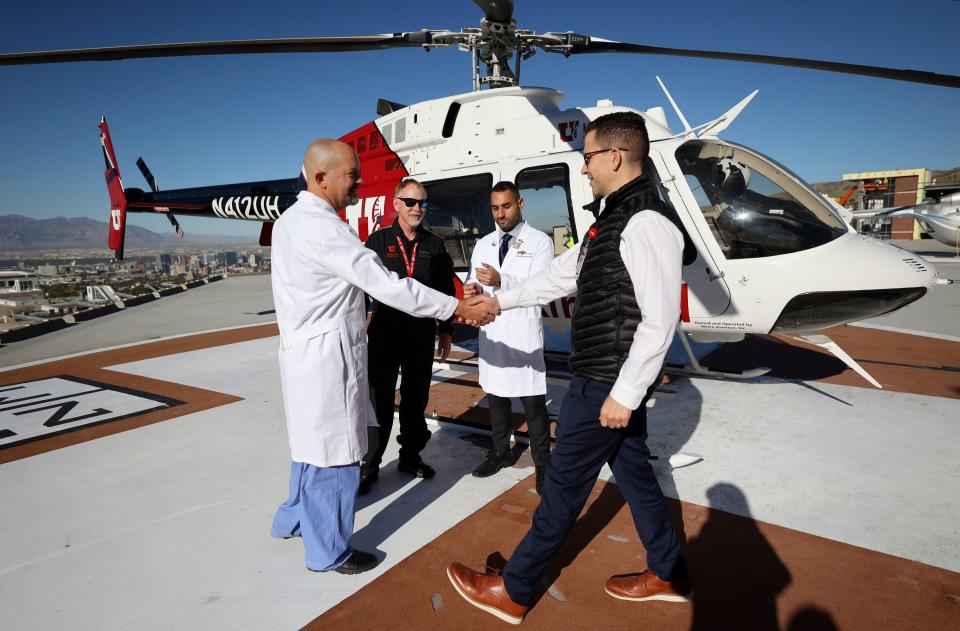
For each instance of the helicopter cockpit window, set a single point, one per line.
(753, 207)
(460, 213)
(546, 203)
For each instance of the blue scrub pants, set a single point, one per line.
(320, 510)
(583, 446)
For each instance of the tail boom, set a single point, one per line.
(118, 199)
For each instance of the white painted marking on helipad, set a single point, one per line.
(897, 329)
(45, 407)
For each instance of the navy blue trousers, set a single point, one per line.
(582, 447)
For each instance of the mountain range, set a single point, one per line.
(18, 232)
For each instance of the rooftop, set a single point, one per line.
(819, 499)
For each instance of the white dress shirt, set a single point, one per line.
(652, 251)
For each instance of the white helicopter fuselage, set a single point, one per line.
(772, 254)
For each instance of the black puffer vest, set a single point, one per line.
(606, 314)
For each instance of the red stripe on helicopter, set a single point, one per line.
(684, 308)
(382, 169)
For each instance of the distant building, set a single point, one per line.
(19, 301)
(17, 282)
(888, 189)
(47, 270)
(230, 258)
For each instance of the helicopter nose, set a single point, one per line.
(863, 279)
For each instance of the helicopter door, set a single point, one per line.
(707, 291)
(549, 198)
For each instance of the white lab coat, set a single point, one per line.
(320, 271)
(511, 348)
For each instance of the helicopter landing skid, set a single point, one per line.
(696, 369)
(824, 342)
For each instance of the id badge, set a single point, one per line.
(583, 254)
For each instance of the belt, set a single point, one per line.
(308, 332)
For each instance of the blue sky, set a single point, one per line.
(217, 120)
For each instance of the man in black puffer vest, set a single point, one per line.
(626, 274)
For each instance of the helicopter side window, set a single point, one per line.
(547, 205)
(460, 214)
(752, 207)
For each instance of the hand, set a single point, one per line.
(472, 289)
(478, 310)
(443, 346)
(488, 275)
(614, 415)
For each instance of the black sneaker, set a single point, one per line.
(420, 469)
(358, 562)
(366, 481)
(491, 465)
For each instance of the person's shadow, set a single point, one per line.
(737, 576)
(671, 423)
(811, 619)
(453, 460)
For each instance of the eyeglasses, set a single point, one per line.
(410, 202)
(589, 155)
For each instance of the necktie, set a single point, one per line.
(504, 246)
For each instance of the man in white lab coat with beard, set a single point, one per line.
(320, 272)
(511, 349)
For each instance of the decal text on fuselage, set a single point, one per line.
(263, 208)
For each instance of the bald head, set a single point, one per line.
(332, 171)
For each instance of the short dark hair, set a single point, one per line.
(505, 185)
(625, 130)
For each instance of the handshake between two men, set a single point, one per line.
(476, 309)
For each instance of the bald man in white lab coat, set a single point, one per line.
(320, 272)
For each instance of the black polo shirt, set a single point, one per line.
(432, 266)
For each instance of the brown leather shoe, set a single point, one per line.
(486, 592)
(647, 586)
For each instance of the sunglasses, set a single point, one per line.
(410, 202)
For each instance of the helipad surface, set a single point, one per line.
(155, 514)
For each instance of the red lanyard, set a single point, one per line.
(410, 261)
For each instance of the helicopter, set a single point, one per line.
(772, 255)
(938, 215)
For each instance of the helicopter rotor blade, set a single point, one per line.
(226, 47)
(580, 44)
(496, 10)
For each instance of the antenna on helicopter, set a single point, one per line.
(676, 108)
(717, 125)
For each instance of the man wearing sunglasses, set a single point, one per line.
(403, 343)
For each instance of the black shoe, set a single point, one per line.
(541, 476)
(491, 465)
(358, 562)
(419, 468)
(366, 481)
